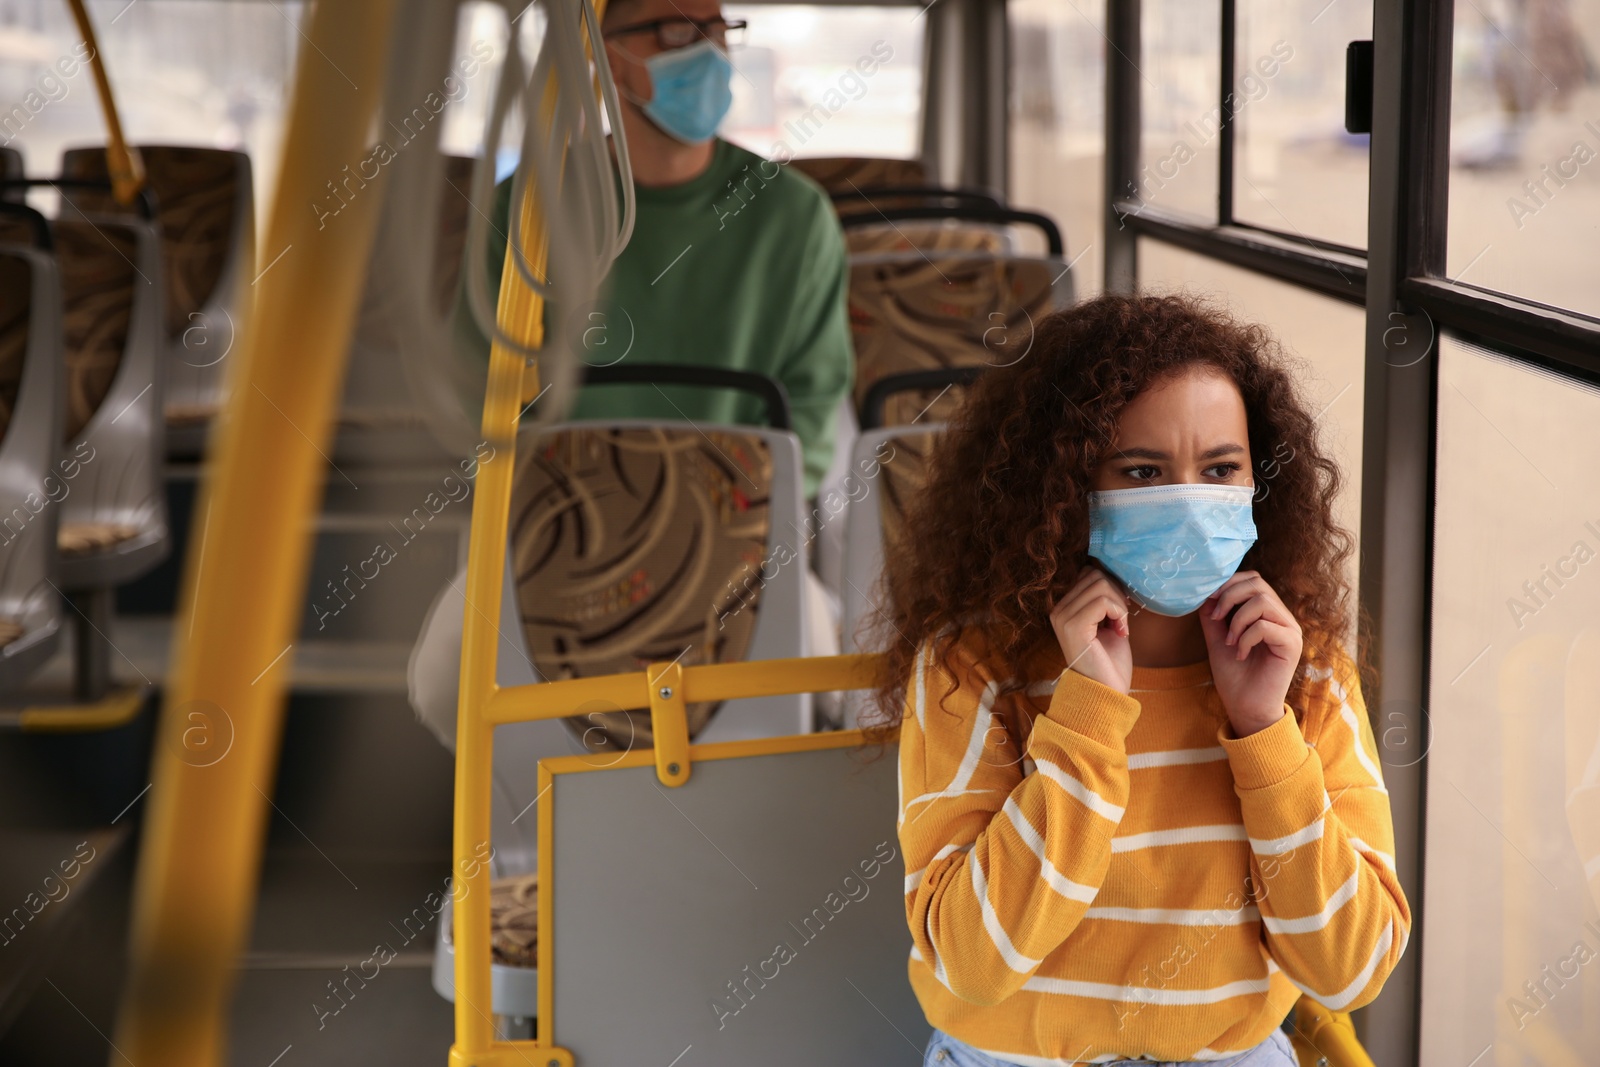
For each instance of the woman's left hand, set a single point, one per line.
(1254, 654)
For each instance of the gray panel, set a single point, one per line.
(664, 896)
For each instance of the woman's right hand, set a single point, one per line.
(1091, 625)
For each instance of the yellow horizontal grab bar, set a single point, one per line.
(1331, 1034)
(117, 708)
(721, 681)
(512, 1054)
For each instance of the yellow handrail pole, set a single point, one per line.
(199, 866)
(486, 550)
(123, 161)
(520, 313)
(1330, 1035)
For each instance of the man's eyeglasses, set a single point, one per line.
(680, 32)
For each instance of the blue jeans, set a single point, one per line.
(1276, 1051)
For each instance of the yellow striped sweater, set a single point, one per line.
(1138, 882)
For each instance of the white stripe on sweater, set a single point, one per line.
(1178, 916)
(1337, 1001)
(1311, 923)
(1277, 846)
(1082, 793)
(1175, 756)
(969, 758)
(1146, 994)
(1047, 870)
(991, 922)
(1187, 835)
(1339, 693)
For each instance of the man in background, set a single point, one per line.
(735, 260)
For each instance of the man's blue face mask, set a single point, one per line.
(690, 91)
(1172, 545)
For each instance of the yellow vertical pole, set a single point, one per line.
(123, 162)
(195, 887)
(520, 313)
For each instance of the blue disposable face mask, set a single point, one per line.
(690, 91)
(1172, 545)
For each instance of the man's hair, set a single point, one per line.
(619, 12)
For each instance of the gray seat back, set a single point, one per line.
(114, 523)
(755, 914)
(34, 479)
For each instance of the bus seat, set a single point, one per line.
(915, 312)
(11, 166)
(841, 174)
(942, 316)
(31, 485)
(922, 326)
(639, 545)
(113, 524)
(659, 929)
(900, 455)
(206, 209)
(638, 541)
(631, 542)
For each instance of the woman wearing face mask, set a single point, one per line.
(1142, 809)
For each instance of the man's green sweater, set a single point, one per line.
(742, 268)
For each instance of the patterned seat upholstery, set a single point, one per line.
(947, 235)
(842, 174)
(633, 545)
(97, 284)
(203, 199)
(904, 477)
(98, 278)
(918, 312)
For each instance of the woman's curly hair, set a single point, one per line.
(1000, 531)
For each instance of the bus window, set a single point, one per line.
(1181, 73)
(1296, 170)
(1525, 152)
(1058, 124)
(815, 80)
(1514, 744)
(202, 72)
